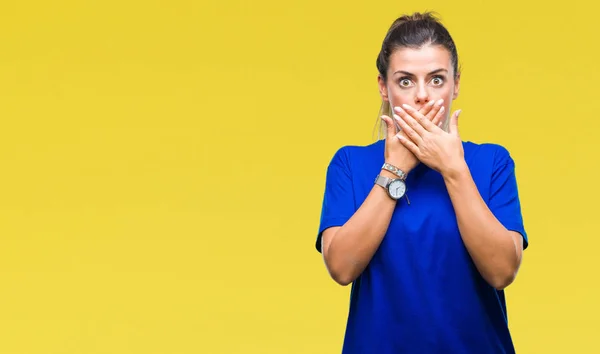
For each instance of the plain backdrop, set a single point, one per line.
(163, 166)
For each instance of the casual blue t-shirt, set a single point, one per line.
(421, 292)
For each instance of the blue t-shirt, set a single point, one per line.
(421, 292)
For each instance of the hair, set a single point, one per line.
(412, 31)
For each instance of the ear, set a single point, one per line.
(382, 88)
(456, 87)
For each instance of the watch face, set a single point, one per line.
(397, 189)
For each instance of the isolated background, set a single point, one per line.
(163, 164)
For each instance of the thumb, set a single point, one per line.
(453, 128)
(391, 129)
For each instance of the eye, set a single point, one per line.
(437, 80)
(405, 82)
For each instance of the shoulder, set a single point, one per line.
(348, 155)
(486, 153)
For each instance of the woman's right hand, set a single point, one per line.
(398, 155)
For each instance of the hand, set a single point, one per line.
(434, 147)
(395, 152)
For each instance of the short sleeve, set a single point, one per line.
(504, 200)
(338, 199)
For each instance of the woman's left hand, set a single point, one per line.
(433, 146)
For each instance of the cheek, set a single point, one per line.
(447, 95)
(399, 97)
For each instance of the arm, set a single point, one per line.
(348, 249)
(496, 251)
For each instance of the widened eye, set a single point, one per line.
(437, 81)
(405, 82)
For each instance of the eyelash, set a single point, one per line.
(435, 77)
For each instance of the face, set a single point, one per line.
(417, 76)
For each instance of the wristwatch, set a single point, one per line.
(396, 188)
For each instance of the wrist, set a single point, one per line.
(388, 174)
(455, 171)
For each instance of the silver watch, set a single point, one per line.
(396, 188)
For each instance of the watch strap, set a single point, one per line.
(383, 181)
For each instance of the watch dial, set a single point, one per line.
(397, 189)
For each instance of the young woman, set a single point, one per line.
(426, 227)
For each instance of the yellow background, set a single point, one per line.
(163, 165)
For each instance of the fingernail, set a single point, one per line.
(431, 103)
(440, 101)
(458, 113)
(405, 106)
(442, 109)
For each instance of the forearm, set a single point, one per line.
(489, 243)
(355, 243)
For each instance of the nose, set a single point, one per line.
(422, 96)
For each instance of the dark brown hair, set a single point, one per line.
(415, 31)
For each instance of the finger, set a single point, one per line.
(420, 119)
(412, 147)
(437, 120)
(453, 128)
(435, 109)
(390, 126)
(408, 130)
(427, 109)
(430, 109)
(412, 118)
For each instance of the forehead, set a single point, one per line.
(420, 61)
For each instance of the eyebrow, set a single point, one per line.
(411, 74)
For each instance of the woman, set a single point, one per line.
(426, 227)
